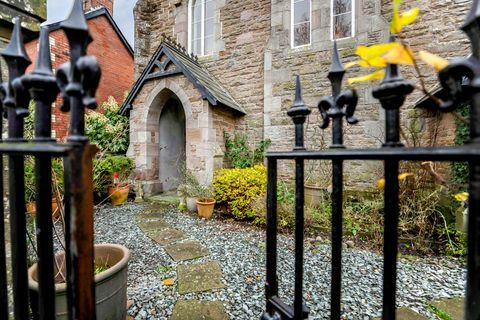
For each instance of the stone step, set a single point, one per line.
(162, 200)
(187, 250)
(198, 310)
(166, 236)
(199, 277)
(453, 307)
(407, 314)
(153, 225)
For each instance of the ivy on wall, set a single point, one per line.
(460, 170)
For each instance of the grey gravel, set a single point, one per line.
(240, 250)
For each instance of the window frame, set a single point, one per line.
(292, 26)
(202, 32)
(332, 37)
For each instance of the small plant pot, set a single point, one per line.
(110, 285)
(192, 204)
(118, 195)
(32, 210)
(205, 208)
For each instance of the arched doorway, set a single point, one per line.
(172, 143)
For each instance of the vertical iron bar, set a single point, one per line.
(390, 248)
(3, 256)
(392, 93)
(473, 246)
(271, 286)
(299, 237)
(17, 101)
(43, 89)
(67, 171)
(337, 232)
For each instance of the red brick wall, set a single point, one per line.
(89, 4)
(114, 58)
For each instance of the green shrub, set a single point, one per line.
(104, 169)
(239, 152)
(108, 130)
(237, 189)
(460, 170)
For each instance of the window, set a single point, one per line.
(201, 27)
(301, 22)
(343, 19)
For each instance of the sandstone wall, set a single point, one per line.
(241, 30)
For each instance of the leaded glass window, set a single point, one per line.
(202, 25)
(301, 22)
(342, 19)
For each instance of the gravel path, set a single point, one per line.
(240, 250)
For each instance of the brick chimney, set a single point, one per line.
(93, 4)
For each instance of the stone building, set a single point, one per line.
(250, 51)
(109, 45)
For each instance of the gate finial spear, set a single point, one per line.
(392, 92)
(299, 112)
(17, 61)
(339, 104)
(43, 87)
(76, 26)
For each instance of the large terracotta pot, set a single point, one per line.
(110, 285)
(205, 208)
(119, 195)
(314, 195)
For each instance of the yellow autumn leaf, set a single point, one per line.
(374, 51)
(381, 183)
(404, 176)
(433, 60)
(378, 62)
(399, 55)
(409, 17)
(462, 197)
(168, 282)
(372, 76)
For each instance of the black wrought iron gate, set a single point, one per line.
(77, 81)
(391, 93)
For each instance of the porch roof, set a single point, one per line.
(172, 59)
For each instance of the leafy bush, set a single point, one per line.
(239, 152)
(237, 189)
(104, 169)
(109, 131)
(460, 170)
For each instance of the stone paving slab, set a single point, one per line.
(155, 225)
(166, 236)
(454, 307)
(198, 310)
(188, 250)
(199, 277)
(407, 314)
(150, 215)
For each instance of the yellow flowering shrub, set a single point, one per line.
(236, 189)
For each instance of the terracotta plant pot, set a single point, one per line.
(205, 208)
(110, 285)
(118, 195)
(31, 209)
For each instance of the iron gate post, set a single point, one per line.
(392, 93)
(78, 81)
(299, 113)
(16, 101)
(338, 105)
(43, 88)
(3, 255)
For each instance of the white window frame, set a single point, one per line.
(190, 29)
(292, 26)
(332, 37)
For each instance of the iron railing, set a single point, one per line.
(461, 79)
(77, 81)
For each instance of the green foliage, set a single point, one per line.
(57, 177)
(439, 313)
(460, 170)
(239, 152)
(104, 169)
(237, 189)
(109, 131)
(192, 188)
